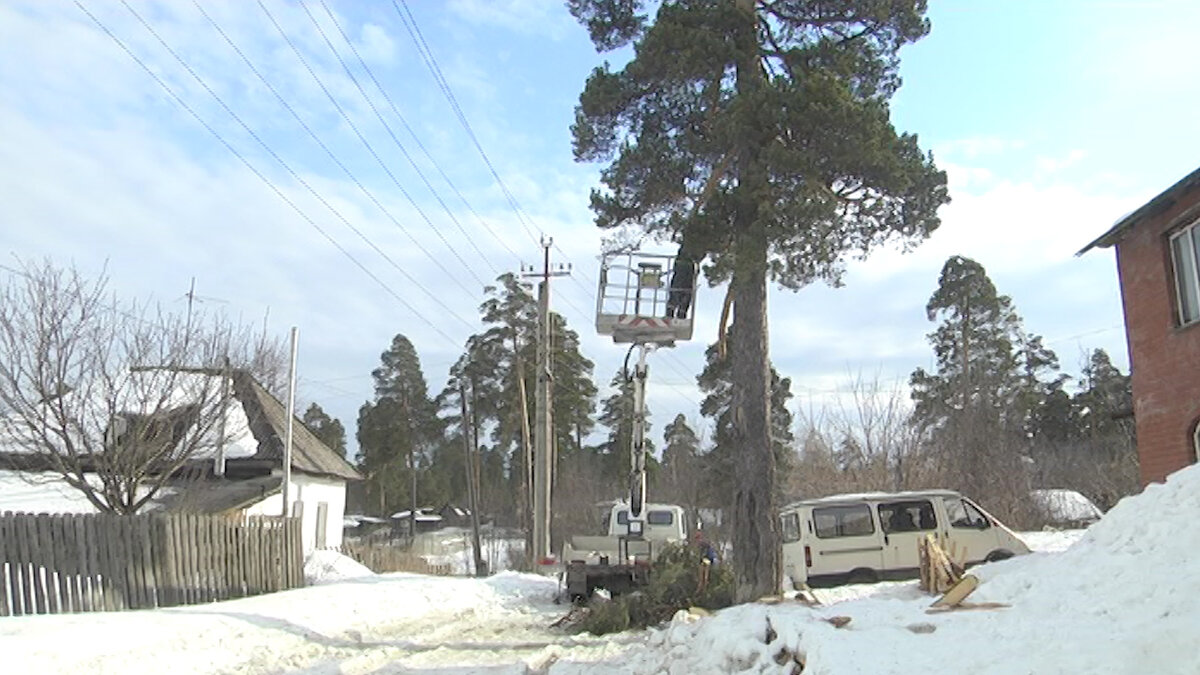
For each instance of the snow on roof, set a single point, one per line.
(148, 392)
(862, 496)
(1065, 505)
(423, 516)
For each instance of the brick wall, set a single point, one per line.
(1165, 358)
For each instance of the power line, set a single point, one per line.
(431, 63)
(255, 171)
(288, 168)
(403, 151)
(370, 195)
(371, 150)
(396, 111)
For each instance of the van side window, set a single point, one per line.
(907, 516)
(843, 521)
(964, 514)
(660, 517)
(790, 527)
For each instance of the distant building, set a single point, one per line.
(1158, 260)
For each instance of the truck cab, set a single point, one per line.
(620, 559)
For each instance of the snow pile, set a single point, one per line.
(1121, 600)
(325, 567)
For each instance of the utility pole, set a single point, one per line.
(472, 465)
(543, 456)
(291, 415)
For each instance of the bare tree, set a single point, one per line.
(116, 399)
(860, 440)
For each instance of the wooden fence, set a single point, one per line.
(89, 563)
(385, 557)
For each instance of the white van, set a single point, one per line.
(867, 537)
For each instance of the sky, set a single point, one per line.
(148, 141)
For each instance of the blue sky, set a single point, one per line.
(1052, 119)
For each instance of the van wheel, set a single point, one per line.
(862, 575)
(999, 554)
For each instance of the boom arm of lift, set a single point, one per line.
(637, 450)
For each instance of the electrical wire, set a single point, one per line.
(431, 63)
(396, 111)
(295, 176)
(375, 155)
(312, 134)
(278, 192)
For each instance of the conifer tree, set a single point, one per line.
(979, 406)
(328, 429)
(757, 134)
(399, 430)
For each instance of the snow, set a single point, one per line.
(40, 492)
(325, 567)
(1119, 597)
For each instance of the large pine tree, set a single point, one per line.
(980, 406)
(399, 431)
(757, 132)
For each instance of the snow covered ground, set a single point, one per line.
(1120, 599)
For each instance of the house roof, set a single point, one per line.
(268, 423)
(1155, 206)
(219, 496)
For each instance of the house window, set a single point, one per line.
(1185, 257)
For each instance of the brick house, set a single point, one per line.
(1158, 260)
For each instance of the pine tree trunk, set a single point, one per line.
(755, 545)
(756, 567)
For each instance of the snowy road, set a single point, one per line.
(397, 623)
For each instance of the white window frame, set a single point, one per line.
(1186, 272)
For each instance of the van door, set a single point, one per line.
(904, 523)
(969, 529)
(843, 540)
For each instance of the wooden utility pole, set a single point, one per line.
(472, 464)
(544, 425)
(291, 415)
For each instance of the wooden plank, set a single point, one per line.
(187, 549)
(297, 554)
(35, 557)
(165, 561)
(148, 532)
(78, 531)
(209, 550)
(115, 561)
(5, 578)
(226, 561)
(64, 563)
(101, 539)
(101, 601)
(45, 525)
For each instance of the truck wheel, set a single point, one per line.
(998, 554)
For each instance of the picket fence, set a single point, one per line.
(58, 563)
